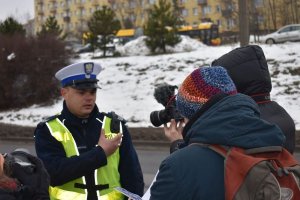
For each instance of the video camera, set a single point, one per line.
(18, 156)
(165, 95)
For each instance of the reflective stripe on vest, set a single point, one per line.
(67, 190)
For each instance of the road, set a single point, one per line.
(150, 157)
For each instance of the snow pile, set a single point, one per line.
(138, 46)
(128, 83)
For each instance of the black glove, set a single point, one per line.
(35, 183)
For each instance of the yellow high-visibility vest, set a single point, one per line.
(108, 174)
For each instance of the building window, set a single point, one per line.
(132, 17)
(195, 11)
(132, 4)
(206, 10)
(258, 3)
(218, 8)
(230, 23)
(184, 12)
(260, 19)
(219, 22)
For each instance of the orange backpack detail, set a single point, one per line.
(266, 173)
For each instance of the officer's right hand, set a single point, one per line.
(110, 145)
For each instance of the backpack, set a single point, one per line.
(266, 173)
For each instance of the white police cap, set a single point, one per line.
(81, 75)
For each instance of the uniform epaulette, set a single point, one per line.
(113, 115)
(115, 121)
(45, 120)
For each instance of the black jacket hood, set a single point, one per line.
(248, 68)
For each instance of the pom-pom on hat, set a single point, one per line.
(81, 75)
(200, 86)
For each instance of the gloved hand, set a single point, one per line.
(34, 183)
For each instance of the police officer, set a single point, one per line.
(86, 153)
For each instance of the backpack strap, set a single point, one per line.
(220, 149)
(264, 150)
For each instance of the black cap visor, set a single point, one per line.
(84, 84)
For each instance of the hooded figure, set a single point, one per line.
(248, 68)
(215, 114)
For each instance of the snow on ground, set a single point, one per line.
(128, 82)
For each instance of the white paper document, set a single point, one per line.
(135, 196)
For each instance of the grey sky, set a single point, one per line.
(22, 10)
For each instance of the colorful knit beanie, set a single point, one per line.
(200, 86)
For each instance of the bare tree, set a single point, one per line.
(272, 7)
(243, 22)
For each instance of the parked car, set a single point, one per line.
(287, 33)
(83, 49)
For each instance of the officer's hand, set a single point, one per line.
(174, 131)
(35, 183)
(109, 145)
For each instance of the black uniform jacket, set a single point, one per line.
(86, 133)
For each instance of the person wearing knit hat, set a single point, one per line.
(214, 113)
(194, 92)
(200, 86)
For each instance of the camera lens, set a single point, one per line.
(158, 118)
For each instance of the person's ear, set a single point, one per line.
(63, 92)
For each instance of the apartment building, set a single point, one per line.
(72, 15)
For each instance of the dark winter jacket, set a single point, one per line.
(196, 172)
(248, 68)
(6, 195)
(86, 133)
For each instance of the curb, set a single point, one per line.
(148, 144)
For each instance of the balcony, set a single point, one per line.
(39, 1)
(80, 5)
(40, 12)
(180, 5)
(202, 2)
(130, 11)
(66, 7)
(67, 19)
(81, 18)
(227, 12)
(95, 2)
(53, 10)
